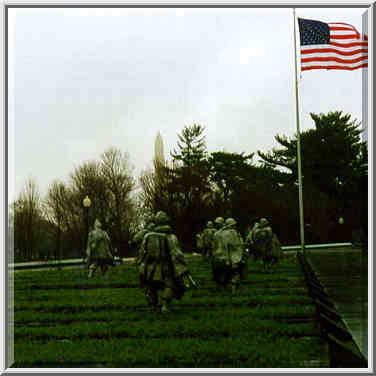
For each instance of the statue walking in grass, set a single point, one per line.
(216, 267)
(139, 236)
(229, 255)
(137, 242)
(161, 265)
(208, 241)
(98, 250)
(267, 244)
(238, 253)
(250, 242)
(199, 243)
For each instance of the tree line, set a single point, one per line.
(56, 226)
(198, 185)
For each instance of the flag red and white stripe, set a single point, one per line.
(347, 49)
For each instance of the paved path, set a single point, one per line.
(79, 261)
(48, 265)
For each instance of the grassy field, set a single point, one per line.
(62, 319)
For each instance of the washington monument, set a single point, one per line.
(158, 149)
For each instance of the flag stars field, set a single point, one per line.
(335, 45)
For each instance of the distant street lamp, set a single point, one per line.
(86, 202)
(341, 221)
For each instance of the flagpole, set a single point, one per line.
(300, 182)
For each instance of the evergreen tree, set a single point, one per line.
(191, 145)
(182, 189)
(334, 169)
(228, 171)
(332, 153)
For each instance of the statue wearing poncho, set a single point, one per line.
(161, 264)
(98, 250)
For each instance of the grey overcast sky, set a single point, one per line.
(82, 80)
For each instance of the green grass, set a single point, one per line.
(64, 320)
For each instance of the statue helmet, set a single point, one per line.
(219, 221)
(161, 218)
(210, 224)
(97, 223)
(263, 222)
(230, 222)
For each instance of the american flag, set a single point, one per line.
(333, 45)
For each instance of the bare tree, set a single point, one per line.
(156, 187)
(86, 180)
(119, 182)
(56, 201)
(27, 219)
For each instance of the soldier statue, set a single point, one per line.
(137, 242)
(216, 269)
(199, 242)
(267, 244)
(98, 250)
(208, 241)
(229, 255)
(219, 223)
(139, 236)
(161, 265)
(250, 242)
